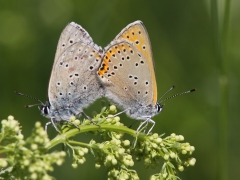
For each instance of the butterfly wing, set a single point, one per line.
(73, 83)
(138, 35)
(71, 34)
(127, 69)
(126, 75)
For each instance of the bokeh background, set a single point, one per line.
(195, 43)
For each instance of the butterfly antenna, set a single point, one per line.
(179, 94)
(166, 92)
(28, 106)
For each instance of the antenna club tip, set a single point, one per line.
(192, 90)
(26, 106)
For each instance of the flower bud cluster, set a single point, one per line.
(122, 174)
(10, 127)
(74, 122)
(111, 153)
(107, 116)
(174, 153)
(28, 157)
(78, 155)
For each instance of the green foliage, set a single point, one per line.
(31, 159)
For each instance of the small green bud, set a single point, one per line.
(188, 148)
(109, 158)
(192, 162)
(118, 124)
(181, 138)
(121, 150)
(118, 136)
(85, 150)
(126, 143)
(82, 160)
(3, 163)
(172, 155)
(11, 118)
(158, 140)
(166, 157)
(154, 145)
(155, 135)
(87, 122)
(97, 166)
(117, 118)
(34, 146)
(181, 168)
(192, 148)
(184, 152)
(164, 175)
(20, 136)
(31, 169)
(72, 118)
(74, 165)
(131, 163)
(114, 161)
(77, 122)
(34, 176)
(4, 122)
(62, 153)
(26, 162)
(153, 177)
(113, 108)
(59, 162)
(46, 177)
(37, 125)
(80, 152)
(109, 120)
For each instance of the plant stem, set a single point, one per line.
(61, 138)
(222, 57)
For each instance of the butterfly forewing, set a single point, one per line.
(73, 78)
(137, 34)
(76, 70)
(125, 72)
(71, 34)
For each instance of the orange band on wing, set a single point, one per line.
(105, 67)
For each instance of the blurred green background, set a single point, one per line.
(194, 46)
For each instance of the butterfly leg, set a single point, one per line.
(148, 120)
(53, 123)
(73, 124)
(153, 124)
(132, 123)
(89, 118)
(120, 113)
(46, 125)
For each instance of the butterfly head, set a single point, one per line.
(45, 109)
(159, 107)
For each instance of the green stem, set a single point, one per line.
(61, 138)
(5, 151)
(78, 143)
(222, 57)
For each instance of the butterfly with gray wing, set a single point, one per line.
(73, 84)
